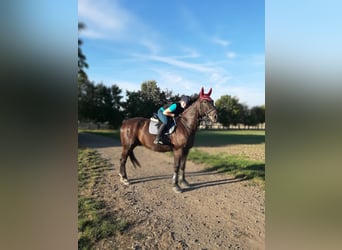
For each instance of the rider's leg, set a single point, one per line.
(159, 134)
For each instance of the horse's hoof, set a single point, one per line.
(177, 189)
(124, 180)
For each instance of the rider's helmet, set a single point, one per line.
(186, 99)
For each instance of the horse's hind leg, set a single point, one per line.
(123, 160)
(177, 160)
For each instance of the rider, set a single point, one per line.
(165, 114)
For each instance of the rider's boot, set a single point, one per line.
(160, 131)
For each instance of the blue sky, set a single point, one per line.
(181, 44)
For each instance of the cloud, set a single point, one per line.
(189, 53)
(220, 41)
(93, 34)
(102, 17)
(231, 54)
(219, 78)
(150, 45)
(107, 20)
(180, 64)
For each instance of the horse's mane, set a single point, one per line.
(191, 106)
(189, 117)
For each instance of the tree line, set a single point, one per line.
(100, 103)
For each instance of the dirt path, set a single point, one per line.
(218, 212)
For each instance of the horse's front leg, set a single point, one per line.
(177, 160)
(182, 179)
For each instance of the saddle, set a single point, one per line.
(155, 122)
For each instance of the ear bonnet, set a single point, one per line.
(206, 96)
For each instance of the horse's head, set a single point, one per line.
(207, 107)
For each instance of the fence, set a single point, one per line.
(93, 125)
(239, 126)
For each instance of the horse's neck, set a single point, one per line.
(190, 116)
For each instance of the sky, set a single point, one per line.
(183, 45)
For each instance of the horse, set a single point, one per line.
(135, 132)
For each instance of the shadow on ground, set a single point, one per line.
(194, 185)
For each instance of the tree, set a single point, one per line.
(103, 103)
(229, 110)
(86, 108)
(82, 64)
(117, 110)
(85, 87)
(99, 103)
(134, 104)
(96, 103)
(150, 91)
(147, 100)
(255, 116)
(108, 106)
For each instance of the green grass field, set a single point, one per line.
(238, 166)
(212, 138)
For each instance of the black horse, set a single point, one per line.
(135, 132)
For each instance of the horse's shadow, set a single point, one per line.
(193, 186)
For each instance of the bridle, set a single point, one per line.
(206, 113)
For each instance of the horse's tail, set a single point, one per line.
(133, 159)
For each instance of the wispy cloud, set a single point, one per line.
(180, 63)
(182, 72)
(103, 18)
(189, 53)
(108, 20)
(220, 41)
(231, 54)
(153, 47)
(178, 82)
(219, 78)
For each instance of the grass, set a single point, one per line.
(215, 138)
(94, 222)
(237, 166)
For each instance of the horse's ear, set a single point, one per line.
(202, 92)
(209, 93)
